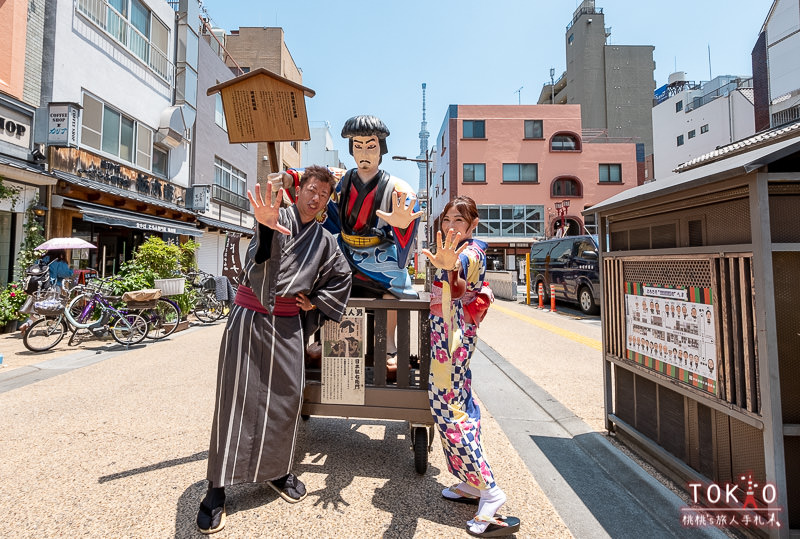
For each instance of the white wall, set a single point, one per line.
(729, 118)
(86, 58)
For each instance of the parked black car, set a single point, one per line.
(571, 264)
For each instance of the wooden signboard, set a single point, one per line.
(261, 106)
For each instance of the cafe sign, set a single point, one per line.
(104, 171)
(62, 124)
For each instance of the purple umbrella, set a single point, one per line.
(65, 243)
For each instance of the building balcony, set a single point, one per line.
(220, 194)
(113, 24)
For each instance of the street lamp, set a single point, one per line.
(562, 208)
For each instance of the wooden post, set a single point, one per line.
(272, 151)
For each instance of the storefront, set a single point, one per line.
(115, 207)
(21, 171)
(221, 246)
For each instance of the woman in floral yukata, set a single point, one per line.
(457, 306)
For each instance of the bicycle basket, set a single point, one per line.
(141, 296)
(48, 307)
(171, 287)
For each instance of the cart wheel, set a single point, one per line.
(421, 450)
(305, 417)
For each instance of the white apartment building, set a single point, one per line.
(690, 119)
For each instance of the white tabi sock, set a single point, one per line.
(491, 502)
(463, 487)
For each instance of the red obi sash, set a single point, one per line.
(284, 305)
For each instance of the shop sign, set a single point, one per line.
(153, 227)
(87, 165)
(199, 198)
(231, 261)
(15, 128)
(62, 124)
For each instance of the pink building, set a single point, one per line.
(517, 162)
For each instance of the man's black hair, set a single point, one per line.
(365, 126)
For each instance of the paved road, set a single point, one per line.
(115, 445)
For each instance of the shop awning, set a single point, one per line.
(94, 213)
(15, 169)
(222, 225)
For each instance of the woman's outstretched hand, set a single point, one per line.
(267, 212)
(446, 256)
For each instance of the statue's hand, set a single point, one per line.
(401, 215)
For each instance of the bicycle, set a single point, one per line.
(163, 319)
(49, 329)
(207, 307)
(126, 327)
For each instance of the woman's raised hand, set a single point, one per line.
(447, 251)
(267, 212)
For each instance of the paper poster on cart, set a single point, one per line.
(672, 331)
(343, 350)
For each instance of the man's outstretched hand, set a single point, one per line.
(401, 215)
(267, 212)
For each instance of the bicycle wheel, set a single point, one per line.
(206, 310)
(162, 320)
(130, 329)
(44, 334)
(77, 313)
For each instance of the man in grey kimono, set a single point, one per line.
(293, 278)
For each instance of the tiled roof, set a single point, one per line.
(756, 141)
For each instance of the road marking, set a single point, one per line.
(577, 337)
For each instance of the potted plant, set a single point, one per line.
(11, 300)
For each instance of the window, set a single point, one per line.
(474, 129)
(678, 106)
(520, 172)
(229, 177)
(134, 26)
(610, 173)
(570, 39)
(219, 112)
(691, 133)
(510, 220)
(680, 140)
(160, 162)
(562, 251)
(533, 129)
(564, 142)
(296, 146)
(474, 172)
(110, 131)
(566, 187)
(704, 129)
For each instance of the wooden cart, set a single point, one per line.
(407, 398)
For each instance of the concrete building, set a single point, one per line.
(223, 172)
(252, 48)
(694, 119)
(612, 83)
(516, 162)
(119, 88)
(320, 150)
(776, 77)
(22, 170)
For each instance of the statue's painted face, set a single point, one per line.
(367, 152)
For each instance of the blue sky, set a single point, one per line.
(372, 57)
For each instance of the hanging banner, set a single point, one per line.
(231, 263)
(343, 350)
(672, 331)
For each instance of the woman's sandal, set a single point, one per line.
(499, 526)
(210, 520)
(458, 495)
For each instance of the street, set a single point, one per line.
(114, 443)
